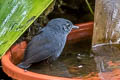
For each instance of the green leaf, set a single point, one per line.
(15, 17)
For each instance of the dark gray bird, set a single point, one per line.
(49, 42)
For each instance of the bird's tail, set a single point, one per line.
(23, 65)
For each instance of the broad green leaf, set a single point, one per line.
(15, 17)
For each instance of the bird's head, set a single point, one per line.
(61, 25)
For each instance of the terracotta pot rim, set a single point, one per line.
(81, 25)
(84, 32)
(14, 70)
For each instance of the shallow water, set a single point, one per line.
(75, 61)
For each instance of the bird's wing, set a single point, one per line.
(40, 48)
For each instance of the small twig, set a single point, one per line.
(89, 7)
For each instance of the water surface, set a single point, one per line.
(75, 61)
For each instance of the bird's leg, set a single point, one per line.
(48, 61)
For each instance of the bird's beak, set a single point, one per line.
(75, 27)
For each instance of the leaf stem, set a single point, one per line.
(89, 7)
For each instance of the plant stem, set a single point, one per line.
(89, 7)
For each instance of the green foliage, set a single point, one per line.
(15, 17)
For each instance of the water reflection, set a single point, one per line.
(107, 57)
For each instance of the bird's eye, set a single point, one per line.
(68, 25)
